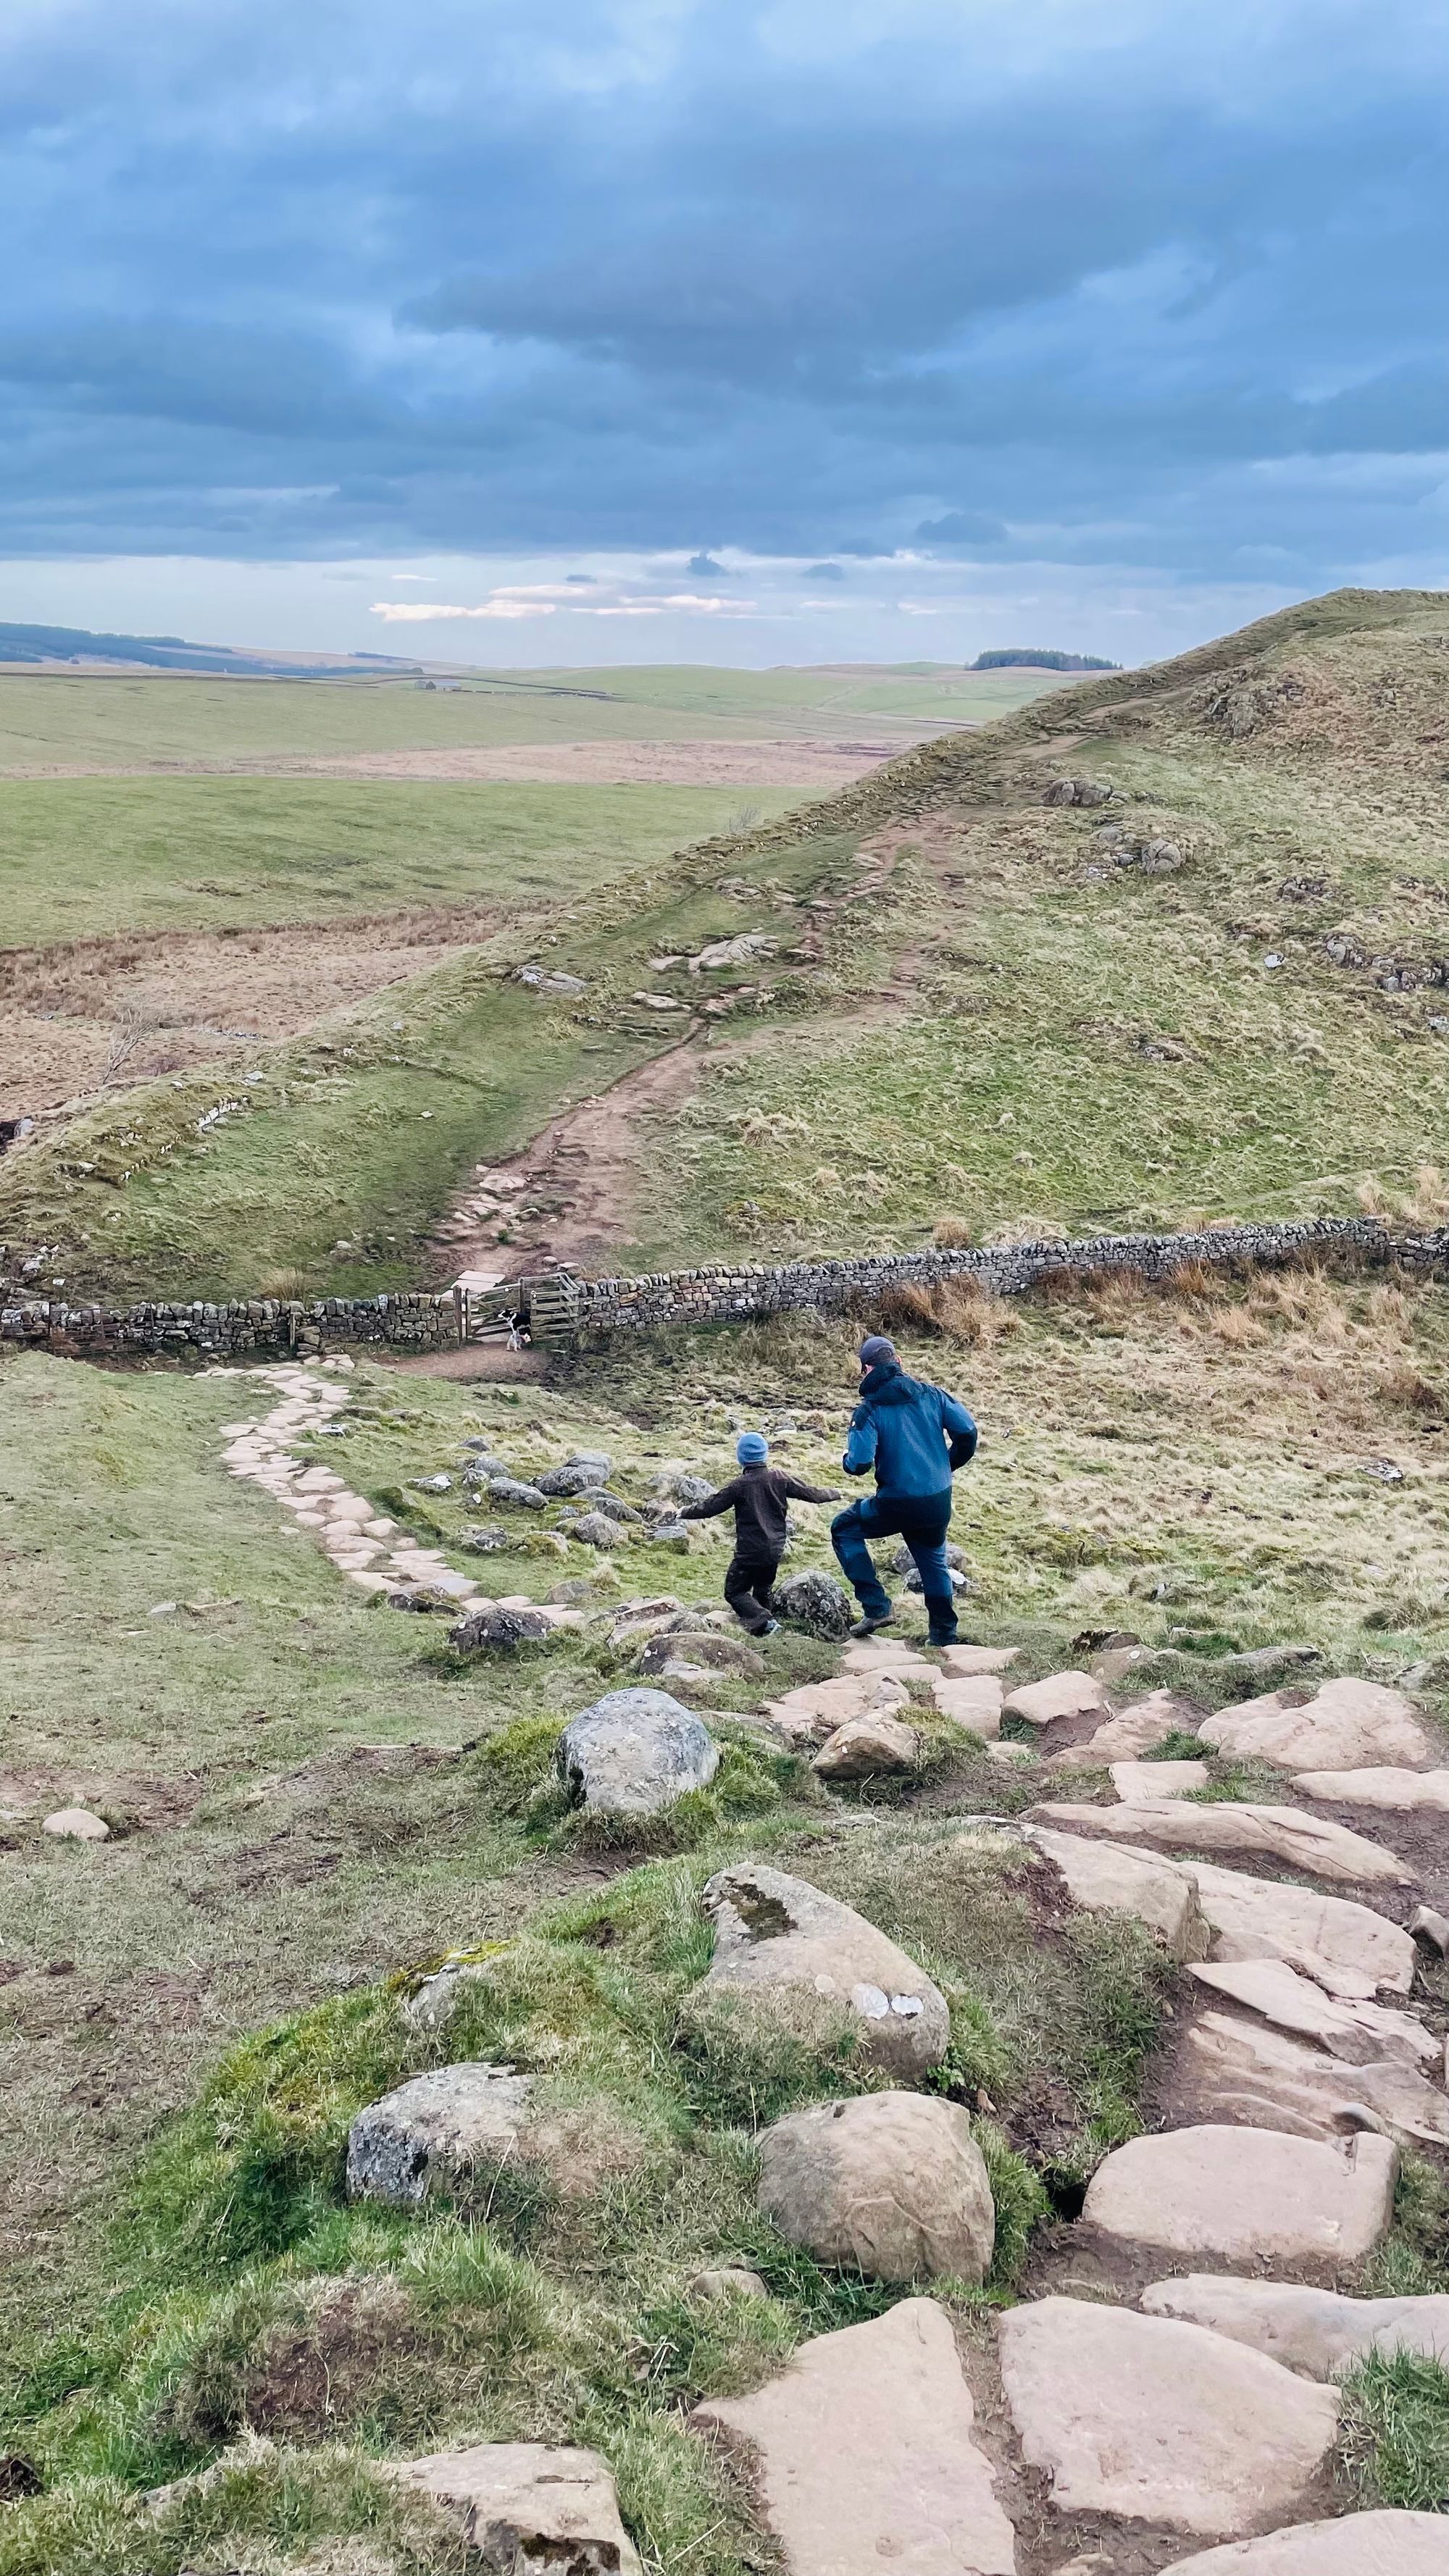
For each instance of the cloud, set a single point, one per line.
(1150, 294)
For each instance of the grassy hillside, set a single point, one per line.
(1212, 994)
(309, 1800)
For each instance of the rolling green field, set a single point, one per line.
(129, 721)
(81, 858)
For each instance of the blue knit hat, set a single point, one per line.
(874, 1349)
(752, 1448)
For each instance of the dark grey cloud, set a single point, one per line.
(344, 281)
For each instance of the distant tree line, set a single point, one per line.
(1025, 657)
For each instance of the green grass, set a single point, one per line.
(126, 721)
(1397, 2431)
(87, 856)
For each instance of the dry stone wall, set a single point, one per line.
(562, 1309)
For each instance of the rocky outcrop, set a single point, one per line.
(1357, 2032)
(1283, 1834)
(1159, 2422)
(1245, 2072)
(778, 1933)
(525, 2505)
(864, 2454)
(1249, 2195)
(634, 1752)
(890, 2184)
(1348, 1949)
(1317, 2332)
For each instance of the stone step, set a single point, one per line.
(1361, 2033)
(1318, 2332)
(1362, 2544)
(864, 2455)
(1154, 2421)
(1248, 2195)
(1242, 2071)
(1282, 1834)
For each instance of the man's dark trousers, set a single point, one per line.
(749, 1586)
(922, 1520)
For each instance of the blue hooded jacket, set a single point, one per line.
(901, 1427)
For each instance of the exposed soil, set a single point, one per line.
(155, 1002)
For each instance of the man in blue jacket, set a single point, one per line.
(913, 1435)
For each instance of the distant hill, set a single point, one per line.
(76, 644)
(1030, 657)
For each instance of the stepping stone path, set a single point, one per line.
(1318, 2332)
(890, 2184)
(1363, 2544)
(1249, 2195)
(1271, 1833)
(1377, 1788)
(352, 1533)
(1159, 2422)
(1060, 1695)
(1136, 1729)
(1346, 1723)
(865, 2455)
(523, 2505)
(1107, 1879)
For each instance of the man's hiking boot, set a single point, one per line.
(771, 1628)
(868, 1627)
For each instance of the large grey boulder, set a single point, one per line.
(891, 2184)
(577, 1477)
(700, 1646)
(1361, 2544)
(527, 2505)
(437, 2133)
(511, 1489)
(773, 1932)
(1249, 2195)
(864, 2455)
(1158, 2422)
(597, 1529)
(1317, 2332)
(817, 1603)
(634, 1752)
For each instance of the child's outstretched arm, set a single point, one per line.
(723, 1501)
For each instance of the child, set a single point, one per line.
(757, 1497)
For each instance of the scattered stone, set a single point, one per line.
(1249, 2195)
(496, 1630)
(1377, 1788)
(1346, 1724)
(889, 2184)
(432, 1484)
(865, 2454)
(1346, 1948)
(1274, 1833)
(574, 1588)
(722, 1654)
(1077, 791)
(1060, 1695)
(1248, 2073)
(1154, 2421)
(1134, 1781)
(484, 1542)
(728, 2281)
(1318, 2332)
(904, 1563)
(772, 1931)
(524, 2505)
(816, 1603)
(866, 1746)
(579, 1476)
(1260, 1663)
(1362, 2544)
(1106, 1879)
(436, 2133)
(634, 1752)
(509, 1489)
(963, 1662)
(1359, 2033)
(598, 1529)
(77, 1825)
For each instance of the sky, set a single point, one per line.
(751, 331)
